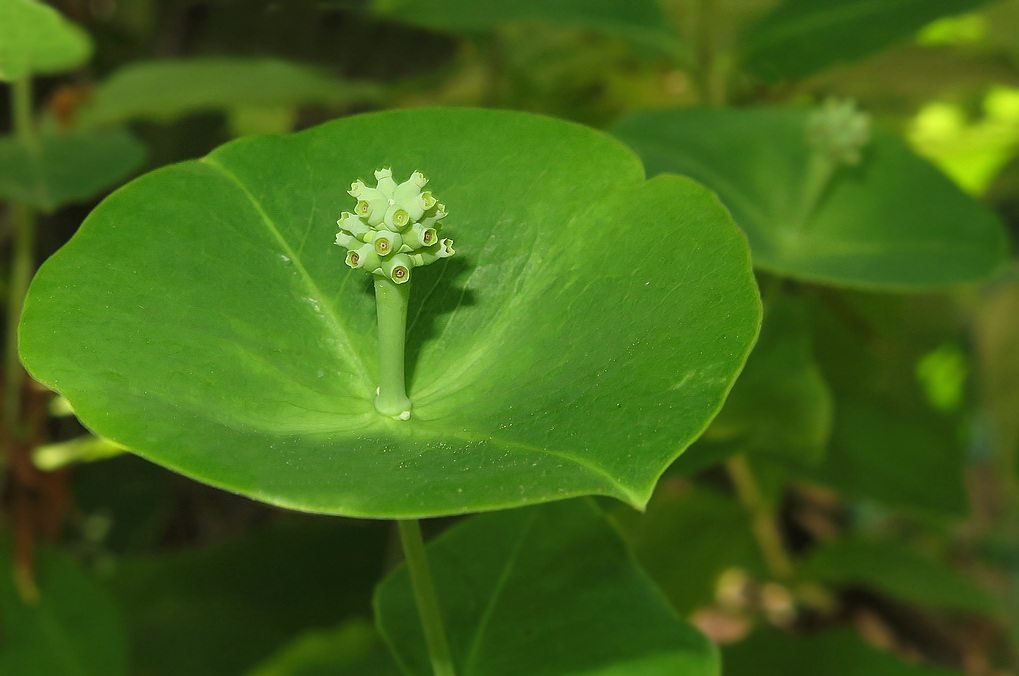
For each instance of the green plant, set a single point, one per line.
(585, 340)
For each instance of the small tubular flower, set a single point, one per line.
(393, 228)
(397, 268)
(839, 130)
(387, 242)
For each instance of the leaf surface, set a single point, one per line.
(36, 40)
(164, 90)
(66, 168)
(842, 652)
(899, 570)
(894, 222)
(73, 629)
(640, 19)
(586, 333)
(543, 591)
(802, 37)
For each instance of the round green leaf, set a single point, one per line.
(164, 90)
(36, 39)
(585, 333)
(542, 591)
(66, 168)
(894, 222)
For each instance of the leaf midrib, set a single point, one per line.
(332, 321)
(493, 599)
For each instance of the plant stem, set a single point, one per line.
(391, 305)
(424, 594)
(763, 518)
(22, 262)
(21, 275)
(820, 170)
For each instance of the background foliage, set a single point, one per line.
(852, 510)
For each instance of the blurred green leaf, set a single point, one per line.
(642, 20)
(888, 443)
(66, 168)
(164, 90)
(687, 538)
(894, 222)
(353, 648)
(780, 404)
(898, 570)
(73, 628)
(802, 37)
(224, 608)
(36, 39)
(833, 653)
(543, 591)
(883, 452)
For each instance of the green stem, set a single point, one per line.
(21, 110)
(820, 170)
(22, 262)
(424, 594)
(391, 305)
(763, 518)
(21, 275)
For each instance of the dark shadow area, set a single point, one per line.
(435, 291)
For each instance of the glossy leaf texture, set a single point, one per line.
(843, 653)
(586, 332)
(642, 20)
(66, 168)
(894, 222)
(36, 39)
(900, 571)
(543, 591)
(164, 90)
(73, 628)
(802, 37)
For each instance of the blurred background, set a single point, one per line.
(872, 448)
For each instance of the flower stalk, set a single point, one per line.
(393, 229)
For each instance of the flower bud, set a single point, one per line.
(397, 268)
(839, 131)
(347, 240)
(386, 183)
(352, 224)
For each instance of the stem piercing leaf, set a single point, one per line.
(207, 322)
(893, 222)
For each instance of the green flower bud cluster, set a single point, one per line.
(839, 131)
(394, 227)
